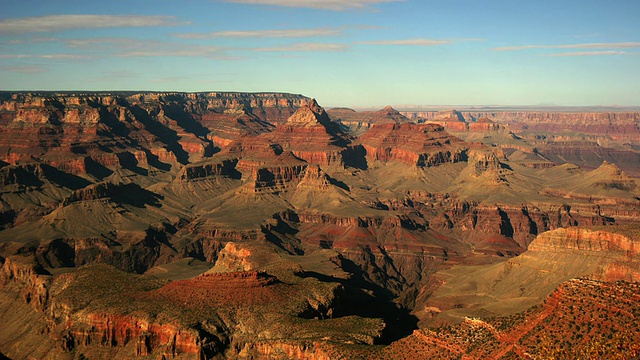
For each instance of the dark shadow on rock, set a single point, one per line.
(185, 120)
(278, 235)
(134, 195)
(355, 157)
(154, 161)
(506, 229)
(338, 183)
(365, 299)
(116, 127)
(129, 194)
(56, 254)
(162, 132)
(64, 179)
(7, 217)
(20, 175)
(96, 170)
(128, 161)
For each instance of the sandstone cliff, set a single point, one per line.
(417, 145)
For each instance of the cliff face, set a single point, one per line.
(305, 220)
(582, 138)
(357, 123)
(417, 145)
(622, 124)
(621, 249)
(68, 131)
(311, 122)
(228, 314)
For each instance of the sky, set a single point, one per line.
(358, 53)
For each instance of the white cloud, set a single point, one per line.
(412, 42)
(119, 74)
(92, 48)
(288, 33)
(182, 50)
(302, 47)
(170, 79)
(588, 53)
(338, 5)
(614, 45)
(45, 56)
(25, 69)
(31, 40)
(130, 47)
(51, 23)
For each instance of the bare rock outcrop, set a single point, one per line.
(419, 145)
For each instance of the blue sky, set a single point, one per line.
(360, 53)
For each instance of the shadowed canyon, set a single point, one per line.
(260, 225)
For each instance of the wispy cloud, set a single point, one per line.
(188, 51)
(285, 33)
(25, 69)
(45, 56)
(337, 5)
(94, 48)
(119, 74)
(131, 47)
(51, 23)
(411, 42)
(31, 40)
(588, 53)
(615, 45)
(170, 79)
(302, 47)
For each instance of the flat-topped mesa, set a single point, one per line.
(486, 125)
(450, 115)
(421, 145)
(617, 125)
(452, 121)
(69, 130)
(588, 240)
(173, 128)
(222, 289)
(615, 251)
(269, 107)
(310, 135)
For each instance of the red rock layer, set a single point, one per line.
(421, 145)
(116, 330)
(619, 125)
(69, 130)
(225, 289)
(311, 136)
(359, 122)
(585, 240)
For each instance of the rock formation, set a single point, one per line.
(357, 123)
(417, 145)
(253, 225)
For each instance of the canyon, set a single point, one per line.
(260, 225)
